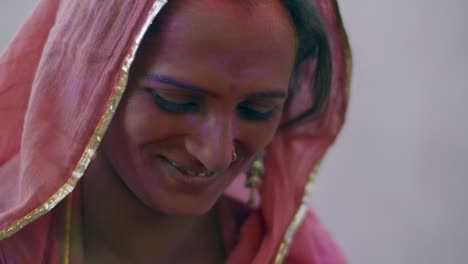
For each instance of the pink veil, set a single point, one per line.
(58, 93)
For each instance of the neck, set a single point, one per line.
(116, 225)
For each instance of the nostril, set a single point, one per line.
(214, 148)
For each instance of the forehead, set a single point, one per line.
(229, 20)
(224, 36)
(264, 15)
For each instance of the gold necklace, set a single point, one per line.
(68, 217)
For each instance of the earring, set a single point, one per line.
(254, 176)
(234, 155)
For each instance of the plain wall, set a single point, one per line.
(392, 189)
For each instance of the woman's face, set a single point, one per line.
(212, 81)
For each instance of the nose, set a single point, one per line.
(212, 143)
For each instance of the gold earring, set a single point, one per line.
(254, 176)
(234, 155)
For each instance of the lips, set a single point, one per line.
(189, 172)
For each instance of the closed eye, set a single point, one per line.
(174, 105)
(255, 113)
(180, 104)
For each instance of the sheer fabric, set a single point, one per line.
(61, 79)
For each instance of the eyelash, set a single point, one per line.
(244, 111)
(248, 113)
(173, 107)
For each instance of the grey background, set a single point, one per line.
(393, 189)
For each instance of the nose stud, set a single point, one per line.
(234, 155)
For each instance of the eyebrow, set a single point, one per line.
(184, 85)
(178, 83)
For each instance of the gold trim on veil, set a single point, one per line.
(106, 118)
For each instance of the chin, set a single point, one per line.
(182, 205)
(174, 194)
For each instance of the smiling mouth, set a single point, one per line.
(188, 172)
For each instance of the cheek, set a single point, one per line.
(145, 122)
(257, 135)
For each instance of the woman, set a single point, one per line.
(214, 84)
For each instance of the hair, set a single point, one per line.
(313, 44)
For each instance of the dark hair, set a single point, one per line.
(313, 43)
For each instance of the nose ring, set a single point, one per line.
(234, 155)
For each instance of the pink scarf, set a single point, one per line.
(58, 94)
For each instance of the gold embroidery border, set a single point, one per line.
(98, 133)
(297, 219)
(302, 210)
(103, 124)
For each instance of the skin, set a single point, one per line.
(133, 209)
